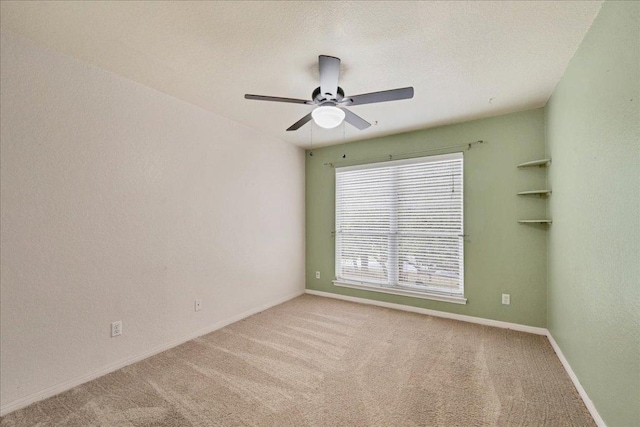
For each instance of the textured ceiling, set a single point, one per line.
(465, 59)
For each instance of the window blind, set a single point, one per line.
(399, 224)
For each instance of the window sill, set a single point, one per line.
(407, 293)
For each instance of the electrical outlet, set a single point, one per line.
(506, 299)
(197, 306)
(317, 274)
(116, 328)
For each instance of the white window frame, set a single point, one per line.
(396, 289)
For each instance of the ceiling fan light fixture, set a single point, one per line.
(328, 116)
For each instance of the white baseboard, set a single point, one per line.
(435, 313)
(488, 322)
(581, 391)
(59, 388)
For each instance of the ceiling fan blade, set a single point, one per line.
(277, 99)
(383, 96)
(329, 68)
(355, 120)
(303, 121)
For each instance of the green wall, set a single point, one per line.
(593, 137)
(501, 256)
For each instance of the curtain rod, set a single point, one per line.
(402, 155)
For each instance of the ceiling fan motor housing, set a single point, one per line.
(320, 98)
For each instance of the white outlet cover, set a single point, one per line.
(506, 299)
(317, 274)
(116, 328)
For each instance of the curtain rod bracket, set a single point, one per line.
(480, 141)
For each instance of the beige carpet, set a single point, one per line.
(320, 362)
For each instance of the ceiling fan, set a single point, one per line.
(330, 99)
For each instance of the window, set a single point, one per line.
(399, 227)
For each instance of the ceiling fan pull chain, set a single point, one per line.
(344, 130)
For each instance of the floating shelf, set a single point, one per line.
(535, 193)
(540, 163)
(543, 194)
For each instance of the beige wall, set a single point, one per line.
(122, 203)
